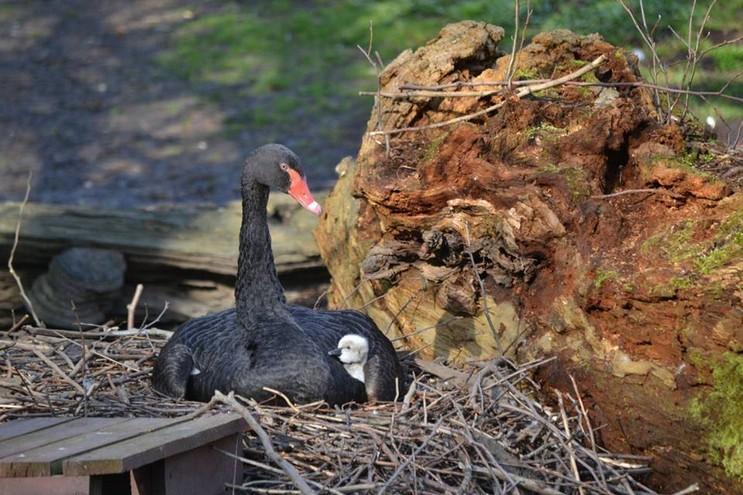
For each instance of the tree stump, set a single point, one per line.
(525, 232)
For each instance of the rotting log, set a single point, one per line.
(185, 255)
(502, 235)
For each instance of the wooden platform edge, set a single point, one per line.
(163, 443)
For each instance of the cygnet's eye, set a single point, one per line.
(284, 167)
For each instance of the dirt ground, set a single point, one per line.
(85, 105)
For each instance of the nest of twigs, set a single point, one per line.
(482, 431)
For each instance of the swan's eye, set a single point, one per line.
(284, 167)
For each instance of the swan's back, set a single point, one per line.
(215, 352)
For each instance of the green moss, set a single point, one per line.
(433, 147)
(522, 74)
(689, 162)
(603, 275)
(719, 411)
(575, 178)
(727, 245)
(670, 288)
(544, 131)
(675, 244)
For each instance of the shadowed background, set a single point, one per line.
(122, 104)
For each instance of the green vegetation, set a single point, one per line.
(575, 179)
(677, 245)
(604, 275)
(727, 244)
(433, 147)
(719, 412)
(302, 57)
(545, 131)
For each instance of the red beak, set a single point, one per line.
(301, 193)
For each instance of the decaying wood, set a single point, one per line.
(185, 256)
(183, 237)
(530, 212)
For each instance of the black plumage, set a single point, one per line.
(264, 342)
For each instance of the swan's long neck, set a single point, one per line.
(258, 292)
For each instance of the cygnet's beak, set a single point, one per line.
(335, 352)
(301, 193)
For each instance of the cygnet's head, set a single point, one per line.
(352, 349)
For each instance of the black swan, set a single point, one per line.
(263, 342)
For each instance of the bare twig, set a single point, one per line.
(512, 60)
(132, 306)
(427, 91)
(376, 64)
(636, 191)
(520, 94)
(59, 372)
(12, 271)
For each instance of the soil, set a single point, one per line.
(85, 105)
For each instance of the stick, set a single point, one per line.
(568, 438)
(132, 306)
(12, 271)
(296, 478)
(519, 94)
(59, 372)
(635, 191)
(411, 91)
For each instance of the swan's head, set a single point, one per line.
(352, 349)
(278, 167)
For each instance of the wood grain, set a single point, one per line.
(136, 452)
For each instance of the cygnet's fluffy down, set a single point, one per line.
(352, 351)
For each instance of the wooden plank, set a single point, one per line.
(53, 434)
(182, 236)
(47, 459)
(166, 442)
(18, 427)
(52, 485)
(203, 470)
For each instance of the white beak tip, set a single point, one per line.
(314, 207)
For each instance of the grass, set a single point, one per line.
(302, 56)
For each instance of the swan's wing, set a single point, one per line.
(173, 369)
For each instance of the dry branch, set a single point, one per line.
(527, 90)
(12, 271)
(506, 441)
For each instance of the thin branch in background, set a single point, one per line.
(512, 60)
(519, 36)
(411, 92)
(12, 271)
(378, 66)
(132, 306)
(648, 40)
(668, 99)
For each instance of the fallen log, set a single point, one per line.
(567, 223)
(184, 255)
(177, 236)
